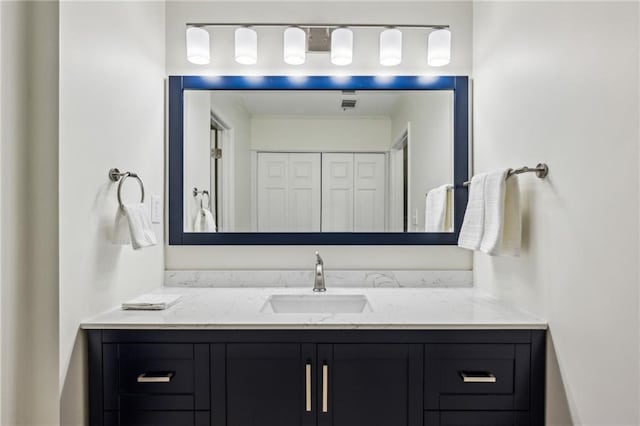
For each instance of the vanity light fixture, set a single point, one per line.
(439, 48)
(295, 44)
(246, 46)
(337, 40)
(198, 45)
(390, 47)
(341, 46)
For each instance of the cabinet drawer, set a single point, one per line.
(138, 374)
(156, 418)
(156, 402)
(156, 368)
(477, 377)
(476, 418)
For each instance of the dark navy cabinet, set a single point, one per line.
(316, 377)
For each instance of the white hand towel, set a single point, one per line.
(438, 209)
(142, 234)
(502, 218)
(473, 223)
(204, 222)
(121, 234)
(152, 302)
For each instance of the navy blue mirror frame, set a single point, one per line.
(178, 84)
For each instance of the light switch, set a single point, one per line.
(156, 209)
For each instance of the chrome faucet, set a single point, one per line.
(319, 275)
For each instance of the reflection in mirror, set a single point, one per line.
(318, 161)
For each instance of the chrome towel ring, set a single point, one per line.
(115, 176)
(202, 194)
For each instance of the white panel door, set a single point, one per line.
(369, 193)
(304, 192)
(337, 192)
(273, 192)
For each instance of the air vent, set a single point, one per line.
(348, 104)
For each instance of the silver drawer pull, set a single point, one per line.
(156, 377)
(477, 377)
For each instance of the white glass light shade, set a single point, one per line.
(439, 50)
(197, 45)
(295, 40)
(246, 46)
(390, 47)
(341, 46)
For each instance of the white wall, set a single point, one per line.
(430, 146)
(29, 213)
(456, 14)
(558, 82)
(328, 134)
(197, 145)
(112, 93)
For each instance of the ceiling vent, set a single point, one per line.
(348, 104)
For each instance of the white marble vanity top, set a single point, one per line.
(242, 308)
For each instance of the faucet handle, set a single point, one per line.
(319, 259)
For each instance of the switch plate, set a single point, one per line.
(156, 209)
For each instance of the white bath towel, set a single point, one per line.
(142, 234)
(438, 209)
(473, 224)
(502, 218)
(204, 222)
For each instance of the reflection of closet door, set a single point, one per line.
(272, 192)
(288, 192)
(337, 192)
(304, 193)
(369, 192)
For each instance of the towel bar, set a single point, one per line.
(541, 171)
(115, 176)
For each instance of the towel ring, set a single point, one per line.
(115, 176)
(202, 194)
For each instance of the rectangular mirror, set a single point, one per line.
(319, 160)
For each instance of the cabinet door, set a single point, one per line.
(288, 192)
(369, 193)
(304, 193)
(337, 192)
(269, 384)
(370, 384)
(273, 182)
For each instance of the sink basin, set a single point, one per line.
(317, 304)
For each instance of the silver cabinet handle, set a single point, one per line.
(307, 373)
(156, 377)
(477, 377)
(325, 388)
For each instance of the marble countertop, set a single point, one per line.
(242, 308)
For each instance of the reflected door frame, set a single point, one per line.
(225, 179)
(398, 209)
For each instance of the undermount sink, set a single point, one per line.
(317, 303)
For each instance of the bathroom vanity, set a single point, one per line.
(237, 357)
